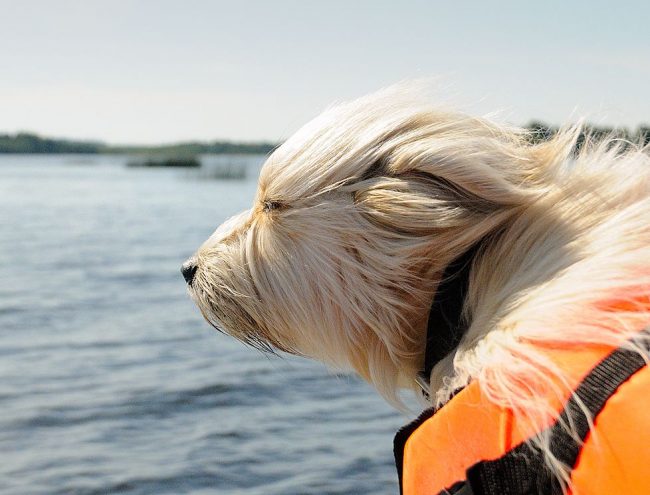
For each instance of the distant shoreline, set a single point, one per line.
(29, 143)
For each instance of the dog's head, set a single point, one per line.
(355, 217)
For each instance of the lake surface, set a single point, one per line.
(111, 382)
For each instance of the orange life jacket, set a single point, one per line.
(472, 446)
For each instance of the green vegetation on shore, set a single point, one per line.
(541, 132)
(175, 162)
(31, 143)
(24, 142)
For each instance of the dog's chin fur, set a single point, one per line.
(359, 212)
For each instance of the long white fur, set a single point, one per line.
(358, 213)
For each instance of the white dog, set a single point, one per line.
(358, 215)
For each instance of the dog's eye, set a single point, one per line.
(272, 205)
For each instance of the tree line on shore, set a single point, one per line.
(25, 142)
(539, 131)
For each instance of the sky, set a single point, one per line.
(149, 72)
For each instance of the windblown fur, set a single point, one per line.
(357, 215)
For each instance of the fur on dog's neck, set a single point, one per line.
(543, 278)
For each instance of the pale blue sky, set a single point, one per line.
(157, 71)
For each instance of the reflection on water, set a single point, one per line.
(110, 382)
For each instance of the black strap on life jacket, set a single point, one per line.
(522, 471)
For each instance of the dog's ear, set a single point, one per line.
(444, 181)
(420, 204)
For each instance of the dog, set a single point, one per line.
(358, 214)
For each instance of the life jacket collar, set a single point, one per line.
(447, 323)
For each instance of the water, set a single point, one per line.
(110, 381)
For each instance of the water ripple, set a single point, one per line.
(110, 382)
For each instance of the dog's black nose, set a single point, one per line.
(188, 269)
